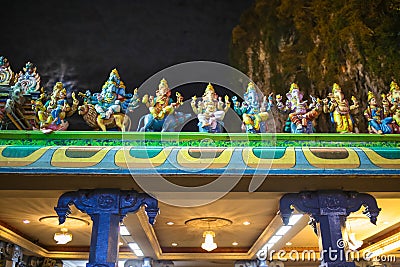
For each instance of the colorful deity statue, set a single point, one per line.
(253, 110)
(6, 74)
(25, 89)
(340, 110)
(108, 109)
(301, 115)
(51, 115)
(391, 105)
(109, 99)
(374, 114)
(163, 115)
(210, 110)
(391, 101)
(28, 80)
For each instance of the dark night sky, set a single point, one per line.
(80, 41)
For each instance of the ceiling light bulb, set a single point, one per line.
(235, 243)
(64, 237)
(170, 223)
(26, 221)
(246, 223)
(209, 244)
(174, 244)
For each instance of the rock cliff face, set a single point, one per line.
(316, 43)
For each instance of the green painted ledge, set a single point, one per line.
(69, 138)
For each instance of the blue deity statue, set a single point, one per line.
(108, 108)
(52, 114)
(253, 110)
(377, 123)
(109, 99)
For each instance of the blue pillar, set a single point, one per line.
(328, 211)
(107, 208)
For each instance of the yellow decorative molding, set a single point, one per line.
(222, 160)
(10, 236)
(380, 161)
(288, 160)
(14, 238)
(124, 159)
(20, 161)
(352, 161)
(61, 159)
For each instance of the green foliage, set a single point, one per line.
(318, 42)
(306, 142)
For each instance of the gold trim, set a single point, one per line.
(14, 238)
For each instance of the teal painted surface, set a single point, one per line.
(144, 153)
(18, 152)
(389, 153)
(274, 153)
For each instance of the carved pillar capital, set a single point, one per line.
(107, 208)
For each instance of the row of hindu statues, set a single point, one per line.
(28, 106)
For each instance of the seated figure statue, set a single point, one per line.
(210, 110)
(51, 115)
(163, 115)
(109, 99)
(301, 115)
(253, 111)
(374, 115)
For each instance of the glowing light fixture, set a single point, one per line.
(209, 243)
(283, 230)
(353, 243)
(64, 237)
(350, 237)
(294, 219)
(123, 230)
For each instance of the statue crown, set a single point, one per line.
(336, 87)
(163, 84)
(250, 87)
(394, 86)
(210, 87)
(370, 95)
(293, 86)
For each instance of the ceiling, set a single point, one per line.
(259, 208)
